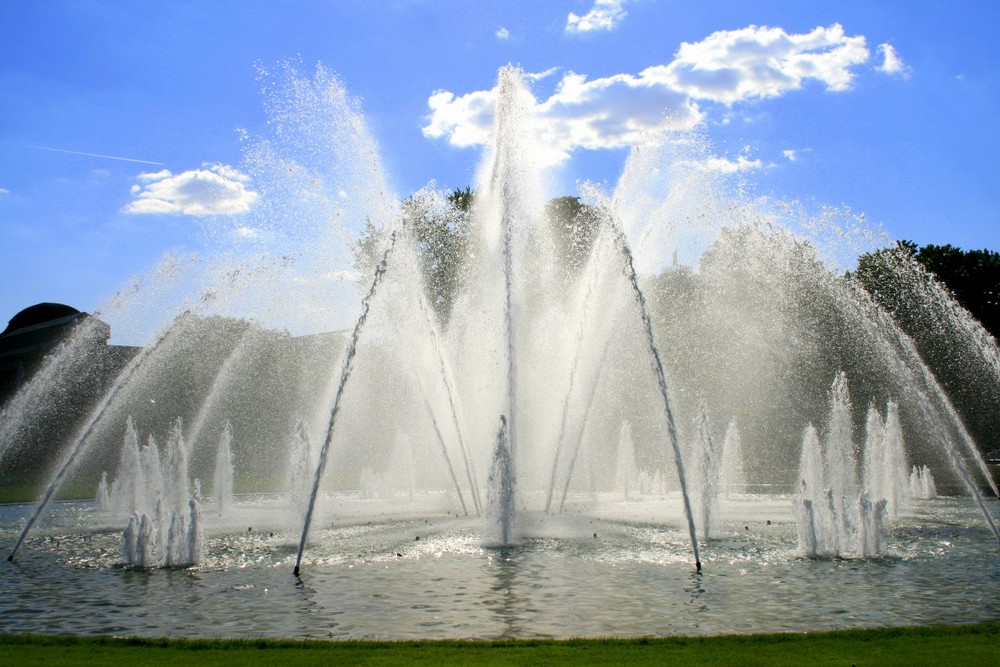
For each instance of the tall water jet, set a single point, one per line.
(222, 482)
(811, 460)
(661, 379)
(503, 486)
(127, 491)
(510, 112)
(453, 411)
(873, 463)
(840, 465)
(922, 483)
(152, 477)
(810, 515)
(732, 476)
(894, 463)
(345, 375)
(447, 459)
(301, 465)
(626, 471)
(705, 475)
(594, 267)
(884, 471)
(592, 394)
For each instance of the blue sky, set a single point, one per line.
(110, 111)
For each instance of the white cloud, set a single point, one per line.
(538, 76)
(465, 120)
(611, 112)
(891, 62)
(502, 33)
(604, 15)
(731, 66)
(723, 165)
(727, 67)
(790, 154)
(154, 176)
(4, 191)
(216, 190)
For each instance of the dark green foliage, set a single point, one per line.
(574, 227)
(971, 277)
(367, 250)
(462, 200)
(922, 288)
(441, 237)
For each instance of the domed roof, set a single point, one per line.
(39, 313)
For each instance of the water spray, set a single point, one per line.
(578, 345)
(503, 485)
(345, 375)
(444, 448)
(657, 363)
(443, 370)
(84, 437)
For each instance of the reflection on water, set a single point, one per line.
(506, 600)
(613, 578)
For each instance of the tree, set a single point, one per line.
(440, 232)
(922, 288)
(574, 228)
(441, 235)
(971, 278)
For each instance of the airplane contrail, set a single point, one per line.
(106, 157)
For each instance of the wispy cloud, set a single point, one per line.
(891, 62)
(216, 190)
(4, 191)
(604, 15)
(723, 165)
(97, 155)
(538, 76)
(502, 33)
(727, 68)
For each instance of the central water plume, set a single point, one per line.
(507, 182)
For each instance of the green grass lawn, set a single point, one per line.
(940, 645)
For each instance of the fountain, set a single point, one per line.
(355, 416)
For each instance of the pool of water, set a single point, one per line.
(427, 574)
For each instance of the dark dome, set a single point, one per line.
(40, 312)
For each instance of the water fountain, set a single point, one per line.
(548, 412)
